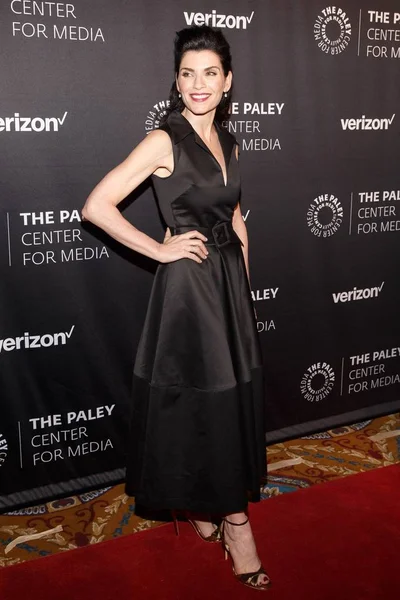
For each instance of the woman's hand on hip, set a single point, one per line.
(185, 245)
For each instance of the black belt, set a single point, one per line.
(220, 234)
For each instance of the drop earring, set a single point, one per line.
(179, 95)
(226, 94)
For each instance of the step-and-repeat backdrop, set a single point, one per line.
(316, 112)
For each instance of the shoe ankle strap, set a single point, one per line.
(232, 523)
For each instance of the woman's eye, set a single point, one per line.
(185, 73)
(211, 73)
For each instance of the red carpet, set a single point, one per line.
(336, 540)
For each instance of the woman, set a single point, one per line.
(197, 440)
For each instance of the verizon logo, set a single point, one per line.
(32, 342)
(214, 20)
(367, 124)
(36, 124)
(358, 294)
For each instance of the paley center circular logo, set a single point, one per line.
(317, 382)
(3, 449)
(332, 30)
(324, 215)
(155, 114)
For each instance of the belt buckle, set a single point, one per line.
(221, 234)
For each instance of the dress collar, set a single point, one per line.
(183, 128)
(180, 125)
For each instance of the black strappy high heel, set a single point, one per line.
(214, 537)
(249, 579)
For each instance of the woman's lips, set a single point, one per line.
(200, 97)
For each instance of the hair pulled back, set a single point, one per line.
(200, 38)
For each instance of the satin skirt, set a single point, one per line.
(197, 425)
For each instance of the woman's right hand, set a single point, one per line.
(184, 245)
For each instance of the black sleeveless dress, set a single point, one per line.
(197, 429)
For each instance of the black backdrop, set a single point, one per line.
(316, 94)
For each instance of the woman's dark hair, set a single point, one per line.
(200, 38)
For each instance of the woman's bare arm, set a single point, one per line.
(239, 226)
(152, 153)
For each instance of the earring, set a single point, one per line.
(226, 94)
(180, 95)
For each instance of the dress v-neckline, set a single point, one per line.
(206, 147)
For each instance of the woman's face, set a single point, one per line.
(201, 80)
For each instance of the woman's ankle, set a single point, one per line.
(238, 519)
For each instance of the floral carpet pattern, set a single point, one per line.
(107, 513)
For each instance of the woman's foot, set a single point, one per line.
(242, 547)
(206, 527)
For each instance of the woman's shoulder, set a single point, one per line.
(176, 125)
(158, 134)
(163, 135)
(156, 144)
